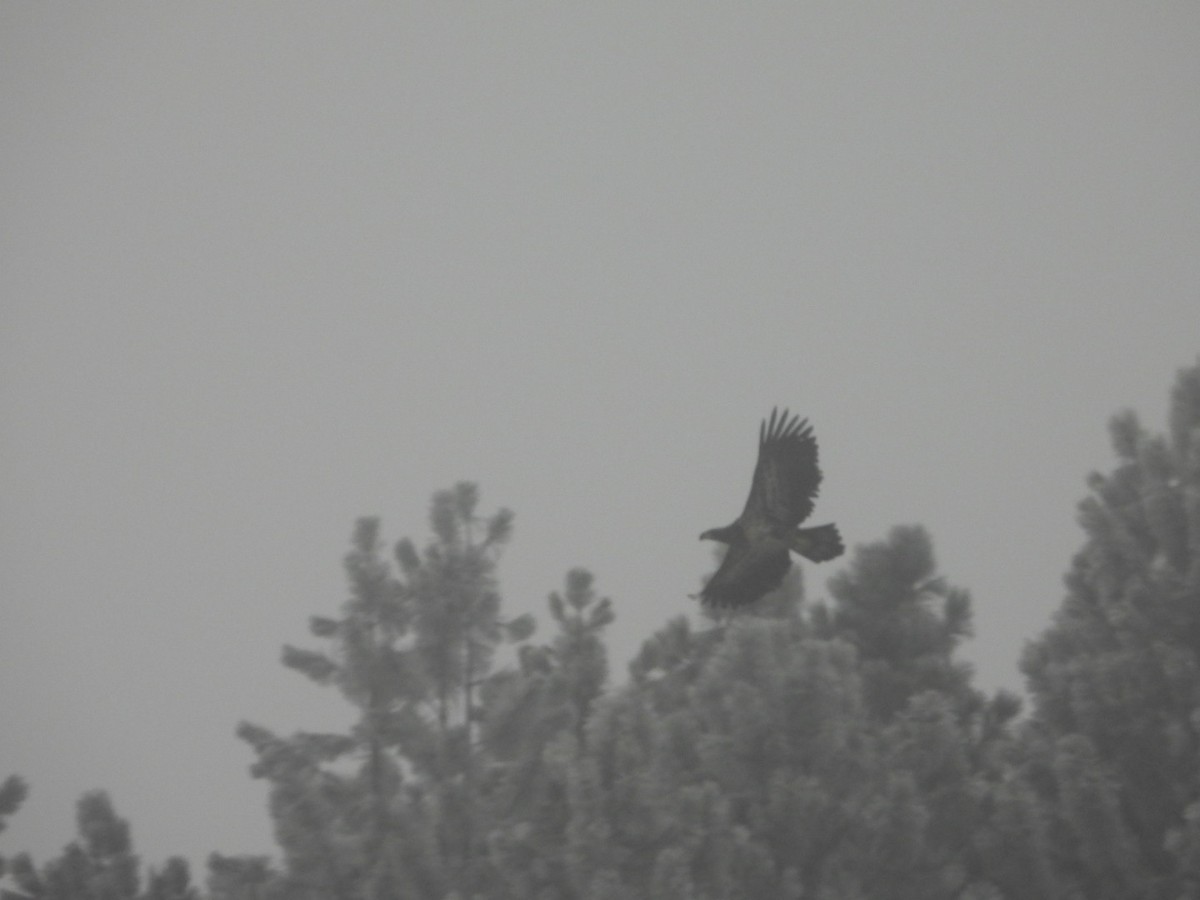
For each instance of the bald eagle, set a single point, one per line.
(781, 497)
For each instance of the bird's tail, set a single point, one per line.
(819, 544)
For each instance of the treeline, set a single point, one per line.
(832, 750)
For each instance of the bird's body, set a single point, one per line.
(760, 540)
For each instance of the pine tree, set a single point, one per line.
(376, 672)
(315, 810)
(243, 878)
(335, 826)
(1116, 678)
(457, 627)
(390, 811)
(615, 827)
(172, 882)
(840, 753)
(904, 620)
(1013, 843)
(13, 791)
(950, 759)
(781, 731)
(534, 726)
(100, 865)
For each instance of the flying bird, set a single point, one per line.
(760, 540)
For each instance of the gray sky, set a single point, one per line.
(265, 268)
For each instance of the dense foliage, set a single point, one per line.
(831, 750)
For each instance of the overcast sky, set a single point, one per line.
(266, 268)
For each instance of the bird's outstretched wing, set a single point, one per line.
(746, 573)
(786, 476)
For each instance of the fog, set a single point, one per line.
(268, 268)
